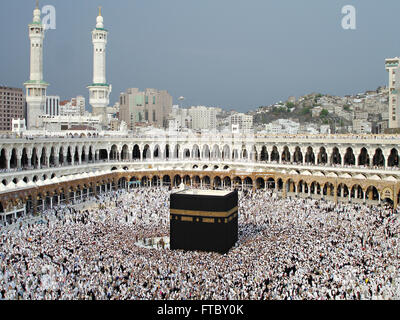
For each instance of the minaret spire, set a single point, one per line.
(99, 90)
(35, 86)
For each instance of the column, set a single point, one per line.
(8, 158)
(19, 159)
(51, 202)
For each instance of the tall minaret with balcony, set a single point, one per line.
(99, 90)
(35, 87)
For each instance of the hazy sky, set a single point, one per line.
(228, 53)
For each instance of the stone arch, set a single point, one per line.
(114, 152)
(83, 154)
(157, 154)
(297, 155)
(125, 152)
(302, 187)
(328, 189)
(378, 160)
(167, 151)
(43, 157)
(186, 153)
(146, 152)
(393, 159)
(349, 158)
(254, 154)
(206, 181)
(342, 190)
(248, 182)
(260, 183)
(235, 154)
(186, 180)
(357, 192)
(315, 187)
(195, 152)
(270, 183)
(206, 154)
(274, 154)
(145, 181)
(136, 152)
(34, 159)
(322, 156)
(216, 153)
(155, 181)
(24, 158)
(226, 152)
(196, 181)
(310, 156)
(176, 151)
(244, 153)
(76, 155)
(372, 193)
(264, 154)
(227, 181)
(285, 154)
(177, 180)
(3, 159)
(290, 185)
(336, 158)
(166, 180)
(217, 182)
(237, 182)
(363, 158)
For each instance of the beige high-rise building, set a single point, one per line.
(152, 106)
(392, 66)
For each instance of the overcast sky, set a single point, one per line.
(227, 53)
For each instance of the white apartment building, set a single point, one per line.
(244, 121)
(203, 117)
(282, 126)
(361, 126)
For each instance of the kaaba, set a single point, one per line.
(204, 220)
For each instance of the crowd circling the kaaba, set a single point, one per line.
(287, 249)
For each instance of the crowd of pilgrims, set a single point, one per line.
(287, 249)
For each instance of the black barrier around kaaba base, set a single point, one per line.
(205, 220)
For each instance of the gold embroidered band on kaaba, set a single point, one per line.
(195, 213)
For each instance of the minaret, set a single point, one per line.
(35, 87)
(99, 90)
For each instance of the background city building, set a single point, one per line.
(12, 106)
(151, 106)
(52, 106)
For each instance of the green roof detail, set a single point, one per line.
(102, 29)
(99, 84)
(36, 82)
